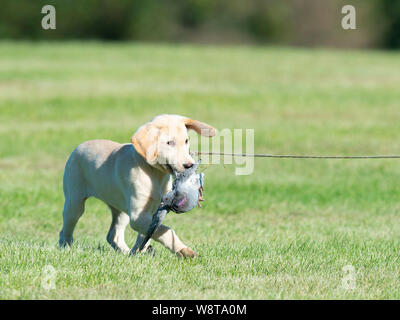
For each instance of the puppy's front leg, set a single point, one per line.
(163, 234)
(138, 242)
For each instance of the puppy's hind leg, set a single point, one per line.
(75, 193)
(116, 234)
(73, 209)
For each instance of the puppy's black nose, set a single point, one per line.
(187, 165)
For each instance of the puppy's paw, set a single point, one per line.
(187, 253)
(148, 251)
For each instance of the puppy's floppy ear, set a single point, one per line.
(145, 141)
(200, 127)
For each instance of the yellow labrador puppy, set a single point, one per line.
(130, 179)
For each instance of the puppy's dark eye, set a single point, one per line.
(186, 141)
(171, 143)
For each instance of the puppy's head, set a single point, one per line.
(164, 141)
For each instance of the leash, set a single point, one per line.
(291, 156)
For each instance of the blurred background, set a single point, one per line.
(290, 22)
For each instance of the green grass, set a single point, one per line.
(284, 232)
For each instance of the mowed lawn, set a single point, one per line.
(284, 232)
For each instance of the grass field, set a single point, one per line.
(284, 232)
